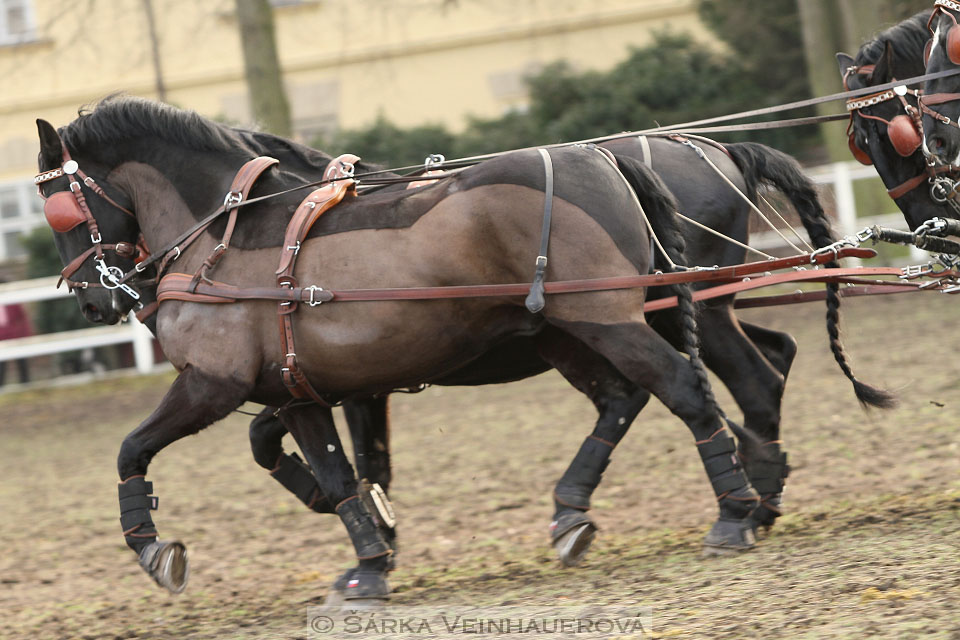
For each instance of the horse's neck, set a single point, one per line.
(166, 209)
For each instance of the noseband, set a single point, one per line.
(67, 210)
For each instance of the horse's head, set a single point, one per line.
(94, 229)
(885, 131)
(942, 101)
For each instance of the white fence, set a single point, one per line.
(841, 175)
(46, 289)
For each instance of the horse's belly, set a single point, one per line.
(376, 346)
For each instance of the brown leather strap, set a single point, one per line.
(340, 170)
(175, 286)
(239, 190)
(828, 275)
(816, 296)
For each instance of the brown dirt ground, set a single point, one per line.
(869, 547)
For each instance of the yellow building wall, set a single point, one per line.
(344, 61)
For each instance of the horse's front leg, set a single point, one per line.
(313, 428)
(194, 401)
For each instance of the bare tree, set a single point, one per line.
(268, 98)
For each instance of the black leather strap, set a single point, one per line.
(535, 299)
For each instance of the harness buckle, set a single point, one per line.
(95, 240)
(295, 248)
(865, 234)
(137, 268)
(232, 199)
(912, 271)
(313, 289)
(541, 262)
(433, 160)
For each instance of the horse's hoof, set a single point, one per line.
(572, 533)
(766, 514)
(356, 588)
(167, 563)
(729, 537)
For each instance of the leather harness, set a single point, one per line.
(338, 184)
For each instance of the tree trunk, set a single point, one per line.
(823, 36)
(268, 99)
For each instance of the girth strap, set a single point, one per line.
(311, 208)
(535, 300)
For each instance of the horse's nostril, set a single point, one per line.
(92, 312)
(938, 145)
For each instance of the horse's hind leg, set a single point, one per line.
(757, 385)
(194, 401)
(368, 421)
(651, 363)
(313, 428)
(766, 462)
(618, 402)
(266, 441)
(758, 388)
(777, 347)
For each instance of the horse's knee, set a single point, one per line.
(133, 458)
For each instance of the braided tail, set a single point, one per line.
(659, 206)
(758, 162)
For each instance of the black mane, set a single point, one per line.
(118, 118)
(907, 40)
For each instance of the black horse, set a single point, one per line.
(942, 104)
(894, 53)
(166, 167)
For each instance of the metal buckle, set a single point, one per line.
(95, 240)
(864, 235)
(912, 271)
(541, 262)
(433, 160)
(294, 247)
(313, 289)
(232, 199)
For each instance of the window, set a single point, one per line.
(16, 22)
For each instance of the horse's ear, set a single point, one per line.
(51, 148)
(882, 70)
(845, 63)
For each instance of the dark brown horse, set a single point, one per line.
(753, 362)
(481, 226)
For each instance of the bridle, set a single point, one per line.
(66, 210)
(905, 131)
(952, 49)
